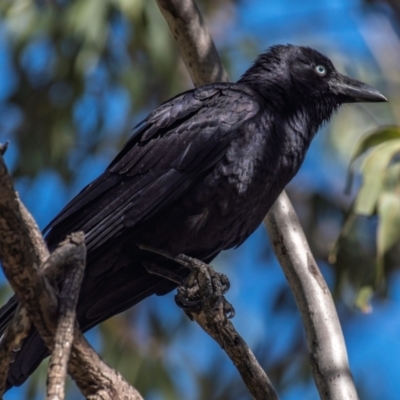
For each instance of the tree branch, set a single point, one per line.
(40, 248)
(11, 342)
(57, 369)
(95, 379)
(20, 325)
(194, 41)
(221, 329)
(328, 353)
(211, 315)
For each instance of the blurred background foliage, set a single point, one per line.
(77, 75)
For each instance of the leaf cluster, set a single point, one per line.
(378, 197)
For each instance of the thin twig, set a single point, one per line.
(331, 373)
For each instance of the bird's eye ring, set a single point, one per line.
(320, 70)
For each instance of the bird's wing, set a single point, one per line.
(175, 145)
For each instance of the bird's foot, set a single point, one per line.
(203, 289)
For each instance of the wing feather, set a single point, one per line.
(174, 146)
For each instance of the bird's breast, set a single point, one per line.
(231, 201)
(238, 193)
(225, 206)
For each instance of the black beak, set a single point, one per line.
(352, 91)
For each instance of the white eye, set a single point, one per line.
(320, 70)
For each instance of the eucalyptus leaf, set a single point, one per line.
(375, 138)
(391, 181)
(378, 136)
(389, 221)
(374, 170)
(369, 193)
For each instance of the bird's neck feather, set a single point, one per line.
(285, 97)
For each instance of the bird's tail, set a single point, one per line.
(96, 304)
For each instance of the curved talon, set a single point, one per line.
(203, 288)
(187, 304)
(226, 284)
(229, 310)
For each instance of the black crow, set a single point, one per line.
(197, 177)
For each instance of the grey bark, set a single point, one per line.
(64, 336)
(195, 43)
(328, 355)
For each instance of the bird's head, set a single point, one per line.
(301, 74)
(315, 74)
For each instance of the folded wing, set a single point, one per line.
(170, 150)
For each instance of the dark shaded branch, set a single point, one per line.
(19, 261)
(177, 11)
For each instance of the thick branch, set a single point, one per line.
(328, 354)
(332, 377)
(19, 261)
(20, 325)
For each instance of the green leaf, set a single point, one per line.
(368, 195)
(388, 230)
(374, 171)
(381, 135)
(391, 181)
